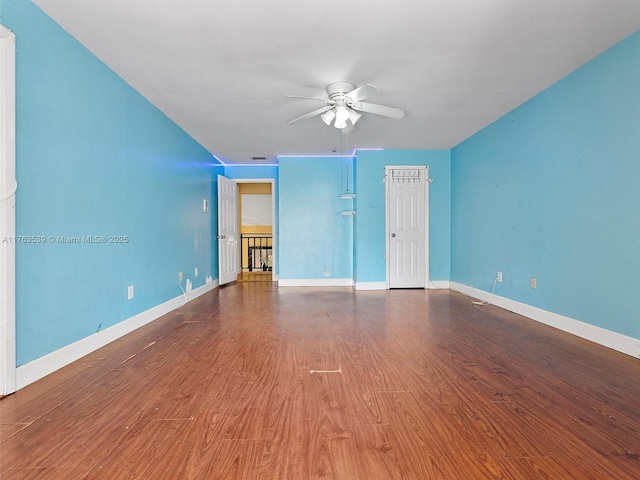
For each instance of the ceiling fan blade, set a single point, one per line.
(319, 111)
(361, 92)
(325, 100)
(378, 110)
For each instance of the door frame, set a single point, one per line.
(387, 229)
(7, 213)
(274, 229)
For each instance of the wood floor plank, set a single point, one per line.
(203, 443)
(332, 449)
(158, 451)
(234, 459)
(287, 448)
(380, 453)
(79, 426)
(543, 468)
(430, 387)
(8, 430)
(43, 473)
(248, 417)
(426, 455)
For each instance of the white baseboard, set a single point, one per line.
(433, 285)
(616, 341)
(43, 366)
(315, 282)
(371, 285)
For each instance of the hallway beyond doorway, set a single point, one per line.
(255, 276)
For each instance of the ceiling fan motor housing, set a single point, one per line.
(339, 89)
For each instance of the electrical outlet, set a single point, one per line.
(534, 282)
(130, 292)
(499, 277)
(179, 276)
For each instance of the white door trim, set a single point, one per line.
(387, 170)
(271, 181)
(7, 212)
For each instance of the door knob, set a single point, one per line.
(393, 234)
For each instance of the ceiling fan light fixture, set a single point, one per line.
(342, 115)
(328, 116)
(344, 106)
(354, 116)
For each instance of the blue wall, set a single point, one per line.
(370, 205)
(95, 158)
(315, 242)
(552, 190)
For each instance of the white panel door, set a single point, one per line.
(228, 237)
(406, 227)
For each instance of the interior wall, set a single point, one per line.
(551, 190)
(370, 241)
(316, 242)
(111, 189)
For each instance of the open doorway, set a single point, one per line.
(256, 218)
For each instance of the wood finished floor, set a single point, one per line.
(431, 387)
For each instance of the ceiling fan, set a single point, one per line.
(345, 103)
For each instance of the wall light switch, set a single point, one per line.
(196, 272)
(534, 282)
(205, 205)
(130, 292)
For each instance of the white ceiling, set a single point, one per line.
(220, 68)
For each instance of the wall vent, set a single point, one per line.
(258, 159)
